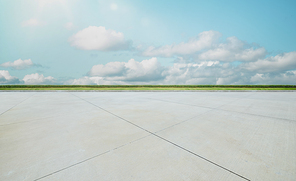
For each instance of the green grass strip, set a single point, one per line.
(147, 87)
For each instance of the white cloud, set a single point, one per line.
(6, 78)
(203, 41)
(286, 78)
(69, 26)
(234, 49)
(278, 63)
(18, 64)
(118, 73)
(230, 80)
(146, 70)
(274, 70)
(98, 38)
(192, 73)
(151, 72)
(207, 48)
(93, 81)
(38, 79)
(110, 69)
(33, 22)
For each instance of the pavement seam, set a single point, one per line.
(17, 104)
(196, 116)
(224, 168)
(32, 120)
(217, 108)
(90, 158)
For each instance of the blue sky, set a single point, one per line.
(147, 42)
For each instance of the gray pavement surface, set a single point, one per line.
(148, 136)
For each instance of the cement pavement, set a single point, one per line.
(148, 136)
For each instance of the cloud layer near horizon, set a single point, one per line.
(205, 59)
(279, 70)
(30, 79)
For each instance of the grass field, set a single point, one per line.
(147, 87)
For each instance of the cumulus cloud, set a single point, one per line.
(146, 70)
(18, 64)
(33, 22)
(233, 50)
(206, 47)
(6, 78)
(86, 80)
(193, 73)
(279, 69)
(278, 63)
(110, 69)
(285, 78)
(99, 38)
(36, 78)
(152, 72)
(131, 72)
(203, 41)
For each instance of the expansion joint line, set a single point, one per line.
(154, 134)
(17, 104)
(90, 158)
(218, 108)
(212, 109)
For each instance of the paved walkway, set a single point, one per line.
(148, 136)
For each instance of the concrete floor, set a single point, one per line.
(148, 136)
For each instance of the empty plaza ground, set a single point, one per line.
(148, 136)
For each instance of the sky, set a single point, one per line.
(91, 42)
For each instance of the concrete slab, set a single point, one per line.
(256, 147)
(147, 159)
(149, 114)
(147, 136)
(9, 100)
